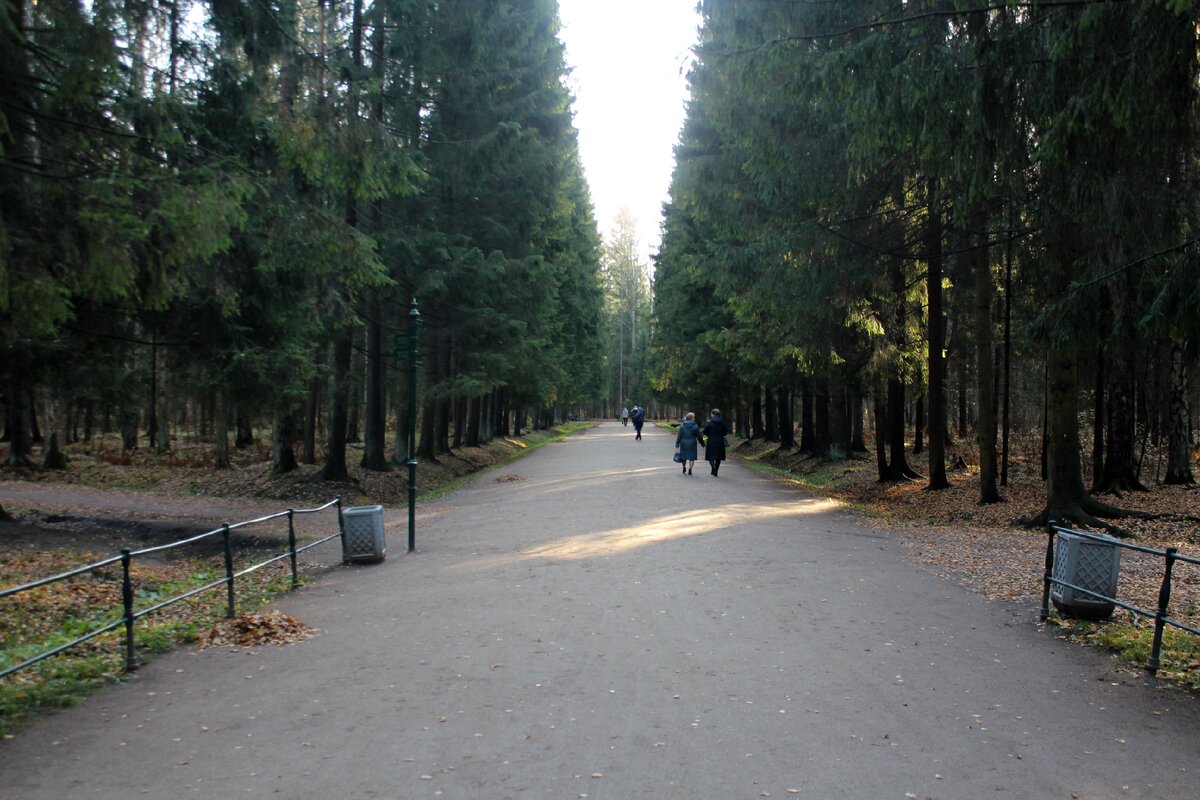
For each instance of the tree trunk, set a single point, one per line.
(839, 421)
(769, 409)
(1120, 459)
(821, 416)
(374, 455)
(1179, 449)
(245, 432)
(460, 423)
(1066, 498)
(758, 429)
(220, 429)
(474, 414)
(898, 468)
(1099, 414)
(312, 410)
(787, 431)
(858, 439)
(355, 394)
(1005, 421)
(55, 457)
(152, 407)
(937, 343)
(879, 403)
(283, 456)
(919, 425)
(336, 468)
(129, 429)
(17, 415)
(808, 434)
(985, 429)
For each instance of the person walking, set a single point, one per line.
(687, 439)
(625, 416)
(638, 417)
(715, 432)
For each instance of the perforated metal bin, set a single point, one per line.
(1088, 564)
(364, 540)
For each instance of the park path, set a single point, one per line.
(586, 622)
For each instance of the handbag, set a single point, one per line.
(678, 458)
(725, 441)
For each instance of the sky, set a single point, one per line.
(629, 61)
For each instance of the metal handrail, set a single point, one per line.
(129, 615)
(1161, 615)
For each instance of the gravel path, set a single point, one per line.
(589, 623)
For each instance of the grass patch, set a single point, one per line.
(1132, 641)
(42, 619)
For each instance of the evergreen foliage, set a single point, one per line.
(856, 182)
(206, 210)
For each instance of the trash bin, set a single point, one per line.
(1088, 564)
(364, 539)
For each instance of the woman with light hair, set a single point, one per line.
(688, 441)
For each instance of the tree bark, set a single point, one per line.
(879, 406)
(17, 420)
(769, 409)
(1120, 460)
(336, 467)
(1179, 448)
(474, 414)
(374, 455)
(919, 425)
(821, 426)
(787, 431)
(1099, 413)
(985, 429)
(757, 429)
(937, 343)
(283, 456)
(220, 429)
(839, 423)
(311, 411)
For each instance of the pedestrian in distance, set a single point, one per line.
(638, 417)
(687, 439)
(625, 415)
(715, 432)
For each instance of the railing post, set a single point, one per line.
(341, 526)
(127, 601)
(231, 611)
(1048, 574)
(1160, 618)
(292, 546)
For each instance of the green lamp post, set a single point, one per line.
(413, 316)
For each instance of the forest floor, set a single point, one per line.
(987, 548)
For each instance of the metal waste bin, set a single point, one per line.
(1088, 564)
(364, 539)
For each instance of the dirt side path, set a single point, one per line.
(103, 521)
(589, 623)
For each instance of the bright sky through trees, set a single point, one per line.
(629, 60)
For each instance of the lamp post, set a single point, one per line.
(413, 316)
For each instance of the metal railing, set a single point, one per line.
(1161, 615)
(130, 616)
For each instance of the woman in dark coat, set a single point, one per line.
(688, 440)
(715, 432)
